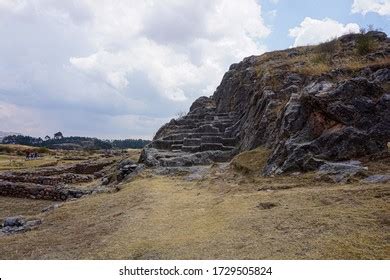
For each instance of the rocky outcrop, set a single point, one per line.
(306, 112)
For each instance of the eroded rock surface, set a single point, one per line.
(281, 101)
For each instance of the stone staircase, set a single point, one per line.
(197, 133)
(201, 131)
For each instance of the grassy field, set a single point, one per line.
(225, 215)
(13, 157)
(10, 206)
(11, 162)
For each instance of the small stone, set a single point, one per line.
(375, 179)
(13, 222)
(266, 205)
(51, 207)
(126, 167)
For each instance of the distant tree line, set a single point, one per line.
(74, 142)
(22, 140)
(129, 143)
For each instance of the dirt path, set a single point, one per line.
(159, 217)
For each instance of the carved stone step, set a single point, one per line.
(176, 146)
(192, 141)
(196, 125)
(211, 146)
(208, 129)
(182, 136)
(166, 144)
(226, 141)
(222, 114)
(212, 139)
(215, 147)
(191, 149)
(229, 141)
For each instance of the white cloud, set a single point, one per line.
(117, 58)
(272, 14)
(382, 7)
(313, 31)
(161, 35)
(274, 1)
(25, 119)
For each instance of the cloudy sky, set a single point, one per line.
(121, 68)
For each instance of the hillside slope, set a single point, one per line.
(307, 105)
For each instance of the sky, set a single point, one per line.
(117, 69)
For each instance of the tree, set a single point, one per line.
(58, 135)
(47, 137)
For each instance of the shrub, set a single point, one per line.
(324, 52)
(365, 44)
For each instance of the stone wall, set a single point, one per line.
(36, 191)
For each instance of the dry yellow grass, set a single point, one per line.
(133, 154)
(11, 162)
(315, 67)
(10, 206)
(220, 217)
(315, 61)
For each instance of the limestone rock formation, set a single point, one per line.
(307, 105)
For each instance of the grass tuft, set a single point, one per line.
(365, 44)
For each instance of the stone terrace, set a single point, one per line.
(52, 183)
(203, 133)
